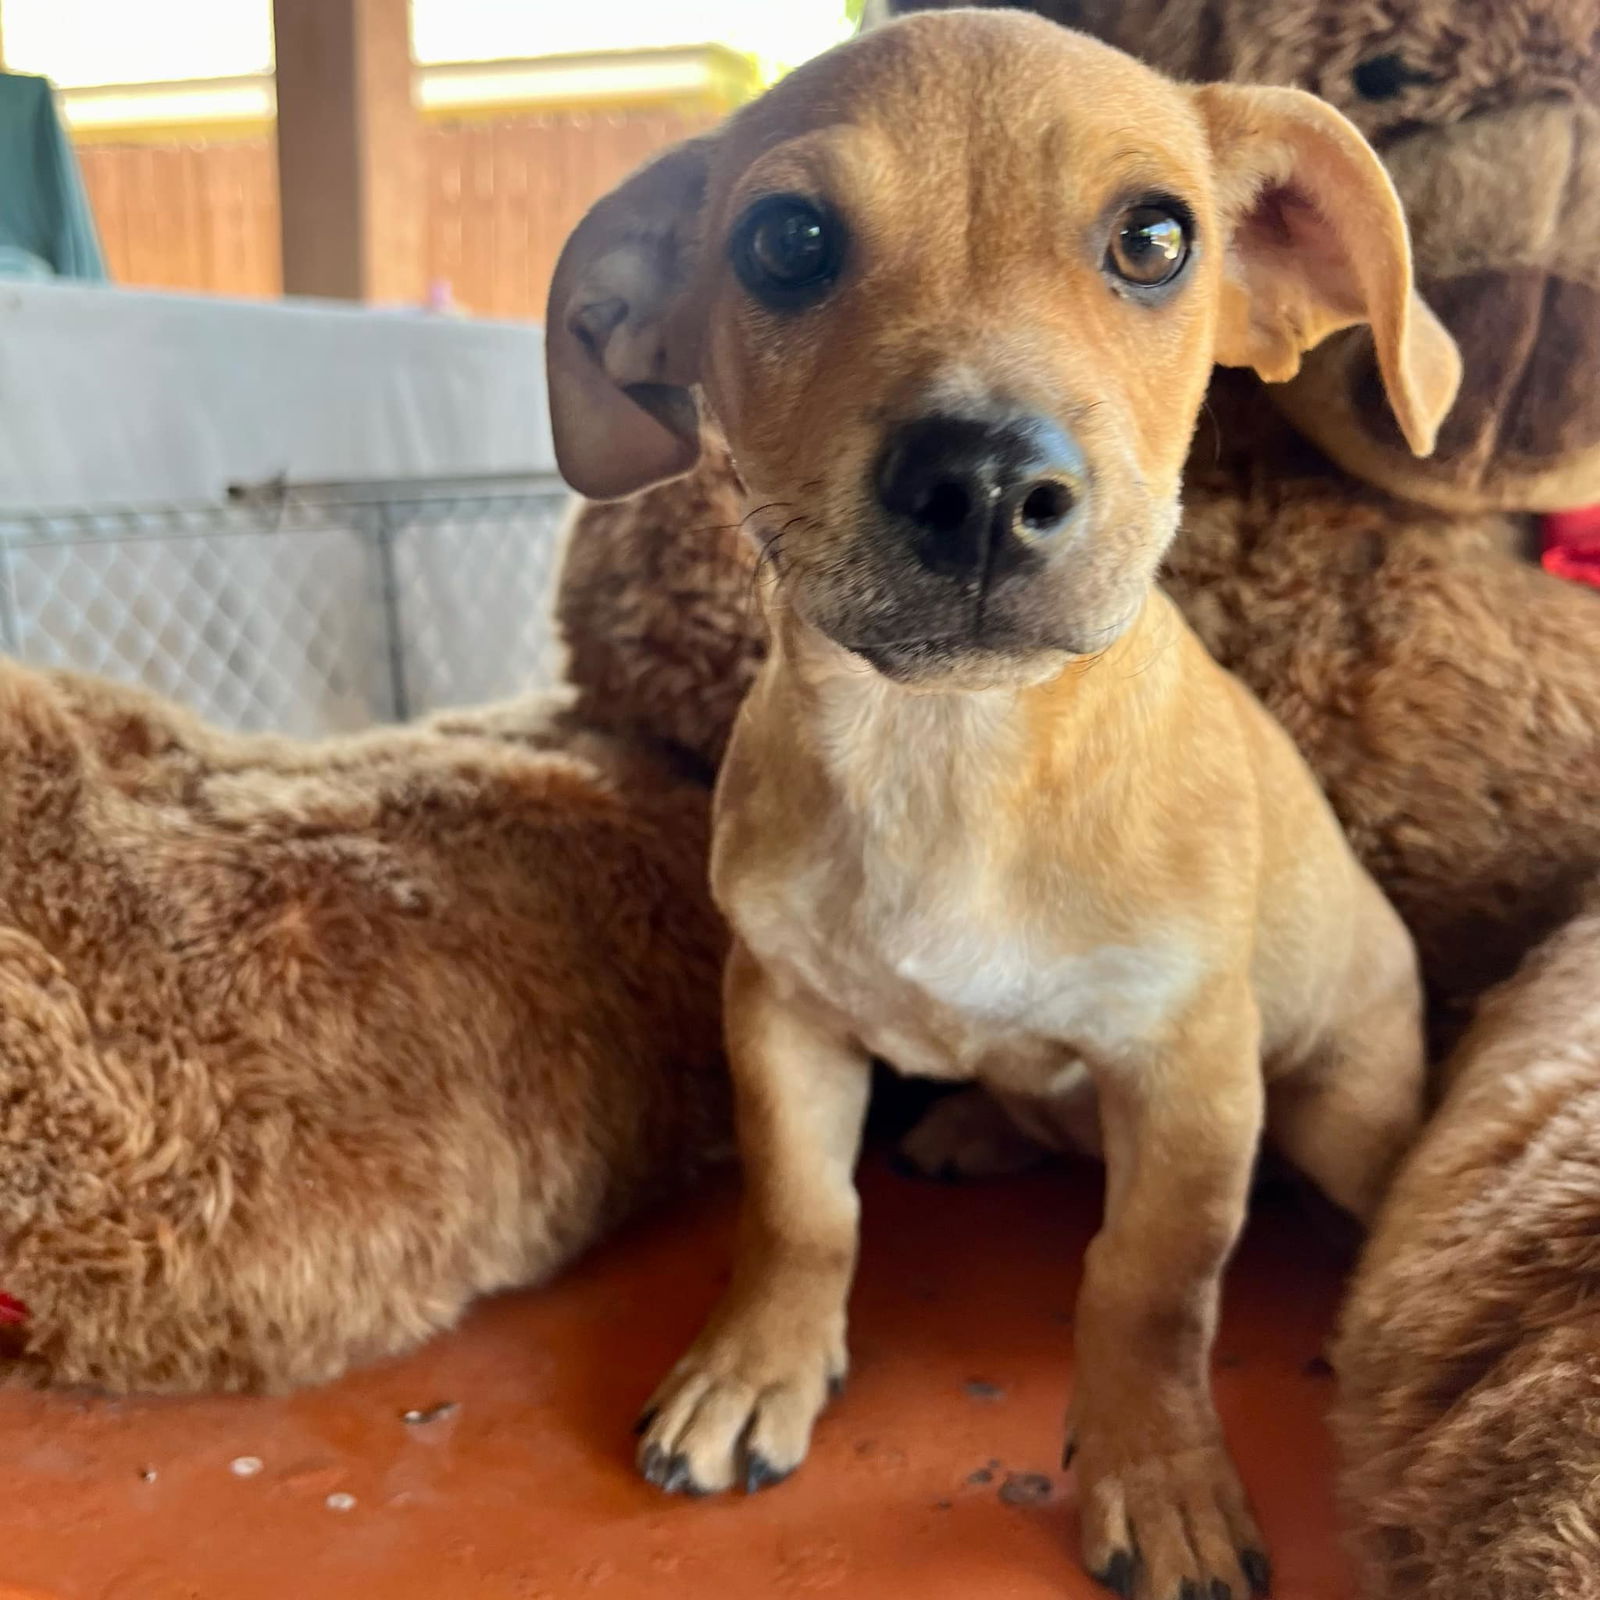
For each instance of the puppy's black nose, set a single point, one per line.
(980, 495)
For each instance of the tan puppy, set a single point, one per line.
(991, 812)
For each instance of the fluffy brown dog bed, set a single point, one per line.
(302, 1047)
(1470, 1360)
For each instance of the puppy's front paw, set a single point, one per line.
(1169, 1526)
(738, 1409)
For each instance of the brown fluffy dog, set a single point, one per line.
(302, 1047)
(1469, 1363)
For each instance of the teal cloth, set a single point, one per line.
(46, 227)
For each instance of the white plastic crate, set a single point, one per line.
(302, 609)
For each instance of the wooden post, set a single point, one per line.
(349, 150)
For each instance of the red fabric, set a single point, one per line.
(13, 1313)
(1572, 545)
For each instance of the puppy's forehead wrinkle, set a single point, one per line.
(1007, 93)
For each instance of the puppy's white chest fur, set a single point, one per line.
(998, 977)
(942, 955)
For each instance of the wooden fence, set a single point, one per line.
(202, 216)
(502, 195)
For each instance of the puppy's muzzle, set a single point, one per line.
(979, 498)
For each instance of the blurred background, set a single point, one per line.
(500, 124)
(273, 430)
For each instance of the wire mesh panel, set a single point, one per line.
(253, 626)
(474, 580)
(304, 610)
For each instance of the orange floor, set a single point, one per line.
(525, 1490)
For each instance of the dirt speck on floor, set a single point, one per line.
(529, 1491)
(1025, 1489)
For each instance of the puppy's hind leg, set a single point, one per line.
(979, 1134)
(968, 1135)
(1348, 1117)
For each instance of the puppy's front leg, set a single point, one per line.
(1163, 1513)
(739, 1407)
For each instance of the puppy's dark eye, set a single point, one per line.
(787, 251)
(1150, 244)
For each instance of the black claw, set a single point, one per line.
(835, 1385)
(642, 1426)
(1068, 1451)
(1258, 1570)
(654, 1465)
(678, 1479)
(1220, 1590)
(948, 1172)
(1189, 1590)
(1117, 1574)
(903, 1166)
(759, 1473)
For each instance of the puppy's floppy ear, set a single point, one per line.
(621, 343)
(1317, 241)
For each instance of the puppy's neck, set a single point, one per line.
(882, 742)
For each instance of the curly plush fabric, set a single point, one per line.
(302, 1047)
(1469, 1362)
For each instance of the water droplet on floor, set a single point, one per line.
(418, 1419)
